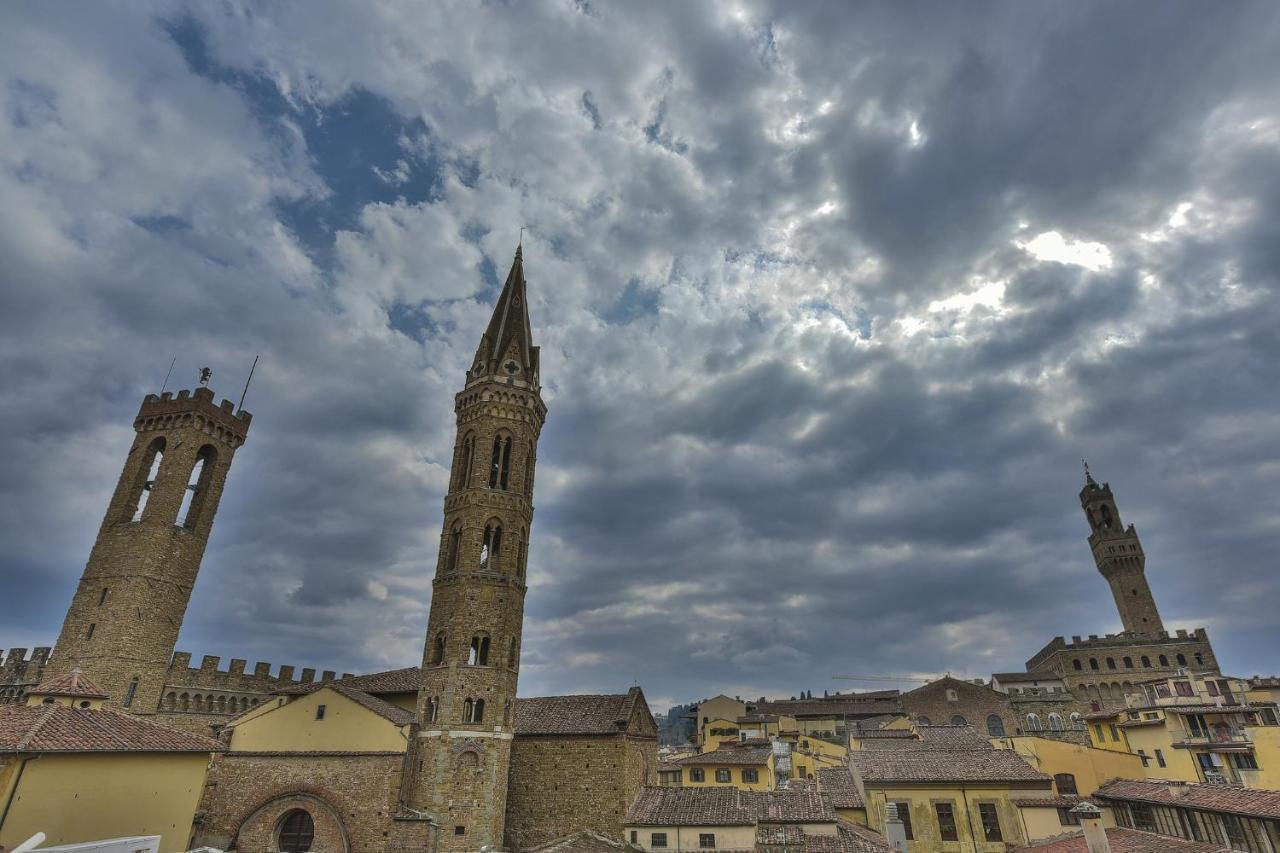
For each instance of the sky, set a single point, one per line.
(832, 299)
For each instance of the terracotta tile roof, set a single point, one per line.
(886, 734)
(381, 707)
(1248, 802)
(574, 715)
(837, 783)
(74, 683)
(667, 767)
(860, 839)
(58, 728)
(945, 765)
(1127, 841)
(1066, 801)
(668, 806)
(1026, 676)
(404, 680)
(583, 841)
(933, 737)
(658, 806)
(729, 756)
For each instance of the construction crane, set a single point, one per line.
(888, 678)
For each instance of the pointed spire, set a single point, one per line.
(508, 341)
(1088, 478)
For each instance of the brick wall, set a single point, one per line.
(972, 701)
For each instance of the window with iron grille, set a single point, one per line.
(707, 840)
(657, 840)
(946, 822)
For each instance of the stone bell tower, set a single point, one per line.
(1117, 551)
(472, 657)
(125, 616)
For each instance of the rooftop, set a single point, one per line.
(59, 728)
(945, 765)
(933, 737)
(755, 755)
(837, 783)
(1127, 841)
(586, 714)
(75, 683)
(1248, 802)
(668, 806)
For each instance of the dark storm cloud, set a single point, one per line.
(832, 299)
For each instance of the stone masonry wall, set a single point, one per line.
(564, 783)
(352, 797)
(974, 702)
(18, 673)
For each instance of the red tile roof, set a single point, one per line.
(670, 806)
(1249, 802)
(933, 737)
(1127, 841)
(946, 765)
(381, 707)
(575, 715)
(58, 728)
(728, 756)
(837, 783)
(74, 683)
(860, 839)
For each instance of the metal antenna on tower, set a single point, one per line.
(165, 384)
(247, 381)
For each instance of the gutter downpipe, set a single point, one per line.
(968, 818)
(13, 792)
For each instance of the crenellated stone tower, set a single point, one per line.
(458, 771)
(1117, 551)
(125, 616)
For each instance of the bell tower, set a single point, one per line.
(1117, 551)
(470, 664)
(126, 613)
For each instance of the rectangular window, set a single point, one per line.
(1097, 729)
(1115, 733)
(128, 694)
(904, 815)
(1197, 725)
(946, 822)
(459, 830)
(723, 774)
(1212, 687)
(751, 776)
(1163, 691)
(707, 840)
(697, 774)
(658, 840)
(990, 821)
(1143, 817)
(1146, 759)
(319, 712)
(1160, 758)
(88, 635)
(1183, 688)
(635, 837)
(103, 598)
(1244, 761)
(1066, 817)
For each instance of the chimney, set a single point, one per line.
(1095, 837)
(894, 832)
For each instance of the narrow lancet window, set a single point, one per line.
(479, 654)
(438, 649)
(197, 488)
(150, 464)
(455, 545)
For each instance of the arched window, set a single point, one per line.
(1128, 663)
(952, 696)
(148, 471)
(455, 546)
(432, 710)
(1182, 659)
(479, 654)
(186, 701)
(473, 711)
(1199, 659)
(197, 487)
(171, 701)
(1111, 663)
(467, 710)
(995, 725)
(438, 649)
(1033, 723)
(1077, 722)
(958, 720)
(1055, 722)
(1065, 783)
(1164, 661)
(1076, 664)
(923, 720)
(467, 458)
(297, 832)
(500, 465)
(1093, 663)
(492, 548)
(1106, 517)
(1146, 662)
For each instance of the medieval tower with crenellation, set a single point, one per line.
(124, 618)
(471, 658)
(1117, 551)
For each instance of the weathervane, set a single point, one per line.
(205, 375)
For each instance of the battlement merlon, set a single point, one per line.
(1115, 641)
(209, 674)
(198, 402)
(17, 661)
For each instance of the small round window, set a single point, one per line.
(297, 831)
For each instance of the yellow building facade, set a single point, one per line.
(79, 772)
